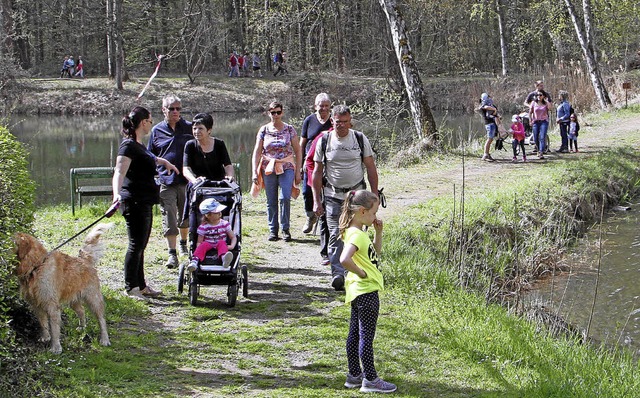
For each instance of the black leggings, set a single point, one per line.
(138, 217)
(514, 144)
(362, 329)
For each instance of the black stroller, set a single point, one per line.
(210, 271)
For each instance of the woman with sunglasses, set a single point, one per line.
(277, 161)
(539, 116)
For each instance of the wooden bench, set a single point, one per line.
(101, 185)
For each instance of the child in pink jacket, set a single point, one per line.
(517, 129)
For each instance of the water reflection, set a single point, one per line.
(58, 143)
(616, 314)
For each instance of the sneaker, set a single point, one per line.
(136, 294)
(226, 259)
(338, 282)
(540, 156)
(515, 159)
(325, 260)
(184, 251)
(378, 385)
(193, 265)
(149, 292)
(524, 159)
(354, 381)
(487, 157)
(286, 235)
(172, 261)
(272, 237)
(576, 150)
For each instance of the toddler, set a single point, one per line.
(363, 281)
(517, 129)
(213, 234)
(574, 127)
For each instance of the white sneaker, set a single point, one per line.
(136, 294)
(193, 265)
(226, 259)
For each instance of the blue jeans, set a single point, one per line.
(138, 217)
(540, 134)
(564, 134)
(271, 184)
(333, 209)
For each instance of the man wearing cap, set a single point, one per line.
(167, 140)
(341, 157)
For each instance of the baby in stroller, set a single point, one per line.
(213, 234)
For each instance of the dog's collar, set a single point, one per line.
(29, 275)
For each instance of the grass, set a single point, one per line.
(433, 339)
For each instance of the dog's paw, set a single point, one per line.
(56, 348)
(105, 342)
(44, 338)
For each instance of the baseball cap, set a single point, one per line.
(211, 206)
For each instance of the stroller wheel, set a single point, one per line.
(245, 281)
(181, 278)
(232, 294)
(193, 292)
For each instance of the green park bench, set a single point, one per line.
(89, 181)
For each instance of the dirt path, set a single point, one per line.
(286, 279)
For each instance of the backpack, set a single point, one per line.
(323, 145)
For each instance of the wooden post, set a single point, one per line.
(626, 86)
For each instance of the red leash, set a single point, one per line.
(159, 57)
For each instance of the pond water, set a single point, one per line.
(616, 312)
(58, 143)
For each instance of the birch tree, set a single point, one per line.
(421, 113)
(584, 30)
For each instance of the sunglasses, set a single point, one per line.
(176, 108)
(276, 112)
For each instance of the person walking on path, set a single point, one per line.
(364, 280)
(256, 65)
(309, 165)
(539, 116)
(277, 161)
(563, 114)
(312, 126)
(134, 187)
(80, 68)
(341, 159)
(168, 139)
(517, 129)
(489, 114)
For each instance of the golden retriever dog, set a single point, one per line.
(50, 280)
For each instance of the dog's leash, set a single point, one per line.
(110, 211)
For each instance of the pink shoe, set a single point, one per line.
(524, 159)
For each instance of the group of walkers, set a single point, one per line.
(239, 65)
(70, 68)
(538, 115)
(333, 161)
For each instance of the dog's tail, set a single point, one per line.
(93, 247)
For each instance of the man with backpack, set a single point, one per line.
(341, 158)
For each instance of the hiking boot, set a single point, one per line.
(311, 221)
(136, 294)
(338, 282)
(353, 381)
(184, 251)
(286, 235)
(226, 259)
(172, 261)
(193, 265)
(272, 237)
(149, 292)
(378, 385)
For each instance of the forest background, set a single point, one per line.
(448, 38)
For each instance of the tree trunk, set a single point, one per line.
(422, 116)
(119, 50)
(503, 40)
(6, 27)
(587, 42)
(109, 39)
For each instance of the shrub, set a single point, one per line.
(16, 213)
